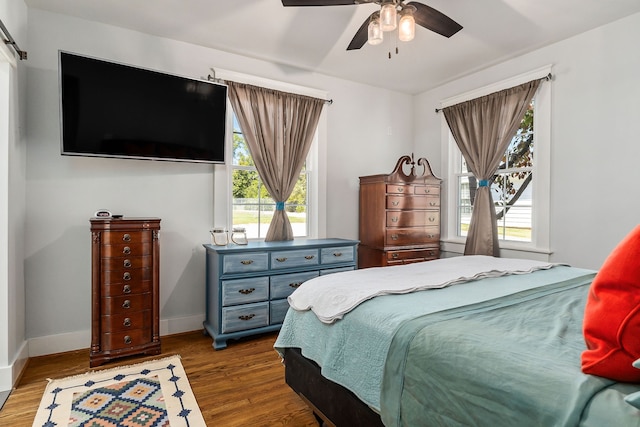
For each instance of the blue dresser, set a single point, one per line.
(248, 285)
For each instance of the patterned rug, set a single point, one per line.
(149, 394)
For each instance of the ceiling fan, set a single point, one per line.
(371, 29)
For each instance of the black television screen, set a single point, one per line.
(114, 110)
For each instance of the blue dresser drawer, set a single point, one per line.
(278, 311)
(292, 259)
(247, 316)
(283, 285)
(336, 270)
(244, 263)
(242, 291)
(337, 254)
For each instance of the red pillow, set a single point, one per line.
(612, 315)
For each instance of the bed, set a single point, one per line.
(488, 346)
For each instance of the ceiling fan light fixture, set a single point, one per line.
(388, 16)
(407, 24)
(374, 32)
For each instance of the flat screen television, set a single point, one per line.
(114, 110)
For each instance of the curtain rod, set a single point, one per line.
(10, 41)
(212, 78)
(545, 78)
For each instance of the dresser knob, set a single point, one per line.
(337, 254)
(127, 339)
(247, 317)
(126, 289)
(246, 291)
(400, 189)
(394, 219)
(126, 237)
(395, 203)
(394, 256)
(394, 237)
(127, 263)
(246, 262)
(431, 236)
(427, 190)
(126, 322)
(309, 256)
(433, 203)
(126, 276)
(431, 219)
(295, 284)
(126, 250)
(126, 304)
(283, 259)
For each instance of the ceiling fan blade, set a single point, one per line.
(317, 2)
(433, 20)
(361, 35)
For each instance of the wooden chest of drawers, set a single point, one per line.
(399, 215)
(248, 286)
(125, 269)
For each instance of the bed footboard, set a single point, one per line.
(330, 402)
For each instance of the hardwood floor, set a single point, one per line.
(242, 385)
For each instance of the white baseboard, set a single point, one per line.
(10, 374)
(79, 340)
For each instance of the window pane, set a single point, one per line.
(514, 206)
(247, 216)
(464, 205)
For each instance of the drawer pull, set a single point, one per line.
(126, 250)
(126, 237)
(400, 189)
(127, 339)
(394, 256)
(394, 237)
(126, 276)
(127, 263)
(247, 317)
(427, 190)
(433, 203)
(126, 304)
(126, 289)
(337, 254)
(431, 236)
(394, 219)
(246, 291)
(126, 322)
(246, 262)
(283, 259)
(431, 219)
(395, 203)
(309, 257)
(295, 284)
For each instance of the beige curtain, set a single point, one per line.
(279, 129)
(482, 129)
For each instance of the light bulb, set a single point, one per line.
(388, 16)
(375, 35)
(407, 25)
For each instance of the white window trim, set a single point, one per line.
(538, 248)
(316, 159)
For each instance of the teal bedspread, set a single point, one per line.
(496, 352)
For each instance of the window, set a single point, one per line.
(252, 206)
(511, 186)
(521, 185)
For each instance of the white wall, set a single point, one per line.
(594, 142)
(13, 349)
(63, 192)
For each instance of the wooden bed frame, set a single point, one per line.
(332, 404)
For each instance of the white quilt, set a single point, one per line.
(332, 296)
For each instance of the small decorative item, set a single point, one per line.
(102, 213)
(239, 236)
(219, 236)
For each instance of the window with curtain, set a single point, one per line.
(521, 188)
(252, 206)
(512, 186)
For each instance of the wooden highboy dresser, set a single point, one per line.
(399, 215)
(125, 255)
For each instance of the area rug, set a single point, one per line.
(149, 394)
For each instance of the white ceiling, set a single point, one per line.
(315, 38)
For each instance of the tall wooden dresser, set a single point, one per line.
(125, 255)
(399, 215)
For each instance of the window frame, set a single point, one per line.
(538, 248)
